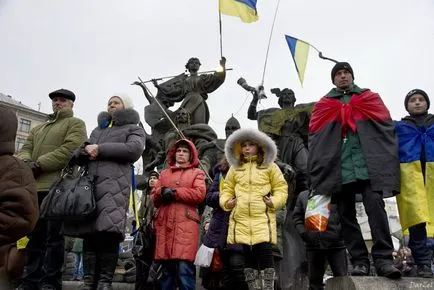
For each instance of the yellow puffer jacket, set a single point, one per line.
(251, 221)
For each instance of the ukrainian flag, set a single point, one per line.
(300, 52)
(244, 9)
(416, 200)
(133, 197)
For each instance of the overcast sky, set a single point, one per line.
(97, 48)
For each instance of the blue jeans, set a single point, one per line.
(178, 273)
(78, 269)
(418, 245)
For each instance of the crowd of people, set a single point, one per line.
(354, 150)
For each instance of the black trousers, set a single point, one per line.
(44, 254)
(101, 243)
(382, 247)
(337, 260)
(143, 265)
(417, 243)
(234, 263)
(259, 256)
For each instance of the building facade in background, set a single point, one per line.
(27, 118)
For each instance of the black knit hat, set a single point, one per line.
(414, 92)
(341, 65)
(67, 94)
(154, 173)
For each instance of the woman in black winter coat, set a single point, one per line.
(110, 152)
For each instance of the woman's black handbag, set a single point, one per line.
(144, 242)
(71, 197)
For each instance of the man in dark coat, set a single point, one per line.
(18, 200)
(353, 149)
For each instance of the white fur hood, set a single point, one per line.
(233, 145)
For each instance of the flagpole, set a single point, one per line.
(220, 28)
(269, 42)
(321, 55)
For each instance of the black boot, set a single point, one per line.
(89, 271)
(108, 262)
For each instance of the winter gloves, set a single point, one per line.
(168, 195)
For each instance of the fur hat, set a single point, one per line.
(126, 100)
(414, 92)
(341, 65)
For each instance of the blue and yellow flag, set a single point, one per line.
(244, 9)
(417, 193)
(133, 197)
(300, 52)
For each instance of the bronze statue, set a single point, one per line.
(154, 116)
(192, 89)
(231, 126)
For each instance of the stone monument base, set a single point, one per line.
(378, 283)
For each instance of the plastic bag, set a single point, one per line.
(317, 213)
(204, 256)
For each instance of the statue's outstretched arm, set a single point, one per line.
(145, 91)
(252, 114)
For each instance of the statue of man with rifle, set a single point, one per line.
(192, 89)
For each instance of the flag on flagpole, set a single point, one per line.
(244, 9)
(300, 52)
(133, 198)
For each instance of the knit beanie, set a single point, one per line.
(341, 65)
(414, 92)
(154, 173)
(126, 100)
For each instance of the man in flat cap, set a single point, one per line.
(353, 149)
(46, 151)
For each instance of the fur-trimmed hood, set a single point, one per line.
(119, 118)
(233, 145)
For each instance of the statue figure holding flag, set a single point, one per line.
(193, 89)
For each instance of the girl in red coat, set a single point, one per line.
(177, 194)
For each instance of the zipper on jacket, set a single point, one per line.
(250, 199)
(235, 224)
(42, 138)
(269, 222)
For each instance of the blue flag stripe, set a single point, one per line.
(411, 139)
(292, 42)
(250, 3)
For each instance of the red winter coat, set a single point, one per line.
(177, 224)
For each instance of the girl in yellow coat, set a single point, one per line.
(254, 189)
